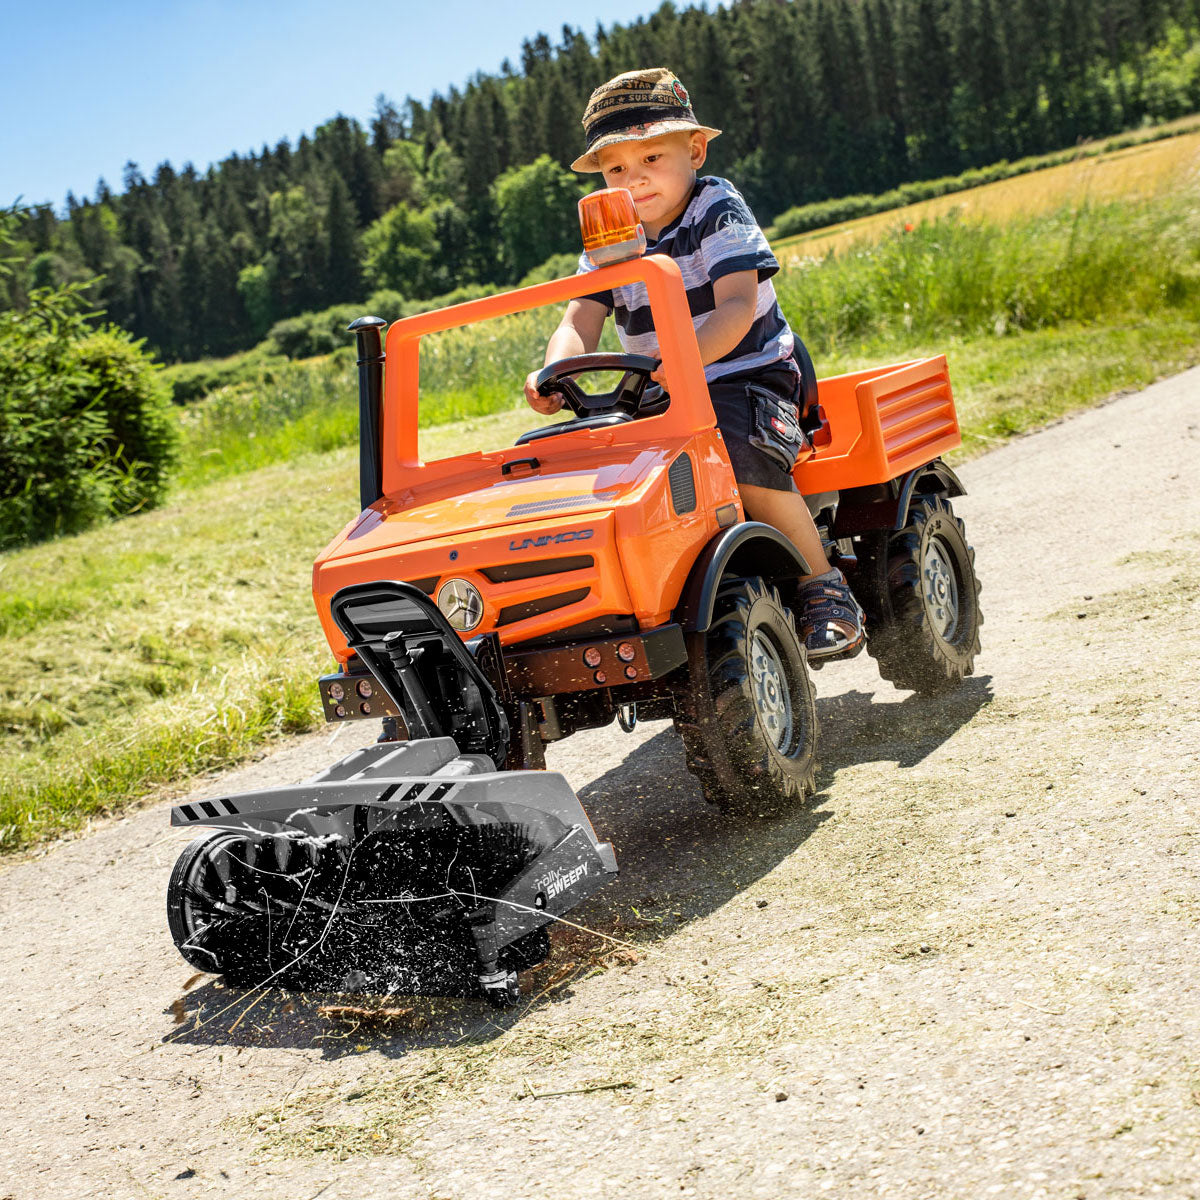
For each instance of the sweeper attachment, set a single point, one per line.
(412, 866)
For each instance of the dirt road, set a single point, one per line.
(968, 969)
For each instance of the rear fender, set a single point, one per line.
(886, 505)
(751, 548)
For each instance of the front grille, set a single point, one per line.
(535, 608)
(507, 572)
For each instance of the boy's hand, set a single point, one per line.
(546, 405)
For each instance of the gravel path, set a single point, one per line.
(968, 969)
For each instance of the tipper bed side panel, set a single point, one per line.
(880, 424)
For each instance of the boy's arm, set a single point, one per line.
(577, 333)
(735, 298)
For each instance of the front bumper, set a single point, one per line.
(518, 674)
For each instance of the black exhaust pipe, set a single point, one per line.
(368, 331)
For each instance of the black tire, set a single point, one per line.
(920, 594)
(219, 904)
(189, 910)
(506, 997)
(747, 713)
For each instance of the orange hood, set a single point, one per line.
(441, 508)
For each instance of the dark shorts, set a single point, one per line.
(759, 418)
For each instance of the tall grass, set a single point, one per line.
(956, 278)
(311, 407)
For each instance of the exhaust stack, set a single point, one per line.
(368, 331)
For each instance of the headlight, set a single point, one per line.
(461, 604)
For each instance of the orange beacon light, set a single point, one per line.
(610, 226)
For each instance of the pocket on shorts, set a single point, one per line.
(775, 426)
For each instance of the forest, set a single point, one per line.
(817, 99)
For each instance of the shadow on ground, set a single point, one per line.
(680, 860)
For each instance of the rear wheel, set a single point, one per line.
(748, 714)
(921, 596)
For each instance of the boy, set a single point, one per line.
(643, 135)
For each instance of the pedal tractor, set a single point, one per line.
(600, 569)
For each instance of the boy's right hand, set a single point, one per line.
(546, 405)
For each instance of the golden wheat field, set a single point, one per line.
(1135, 171)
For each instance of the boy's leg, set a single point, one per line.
(829, 618)
(788, 512)
(759, 422)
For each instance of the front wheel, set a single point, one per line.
(747, 715)
(920, 593)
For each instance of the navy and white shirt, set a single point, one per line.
(716, 235)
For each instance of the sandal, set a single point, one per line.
(829, 617)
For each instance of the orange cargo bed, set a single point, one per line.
(878, 424)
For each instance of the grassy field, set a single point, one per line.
(179, 640)
(1133, 172)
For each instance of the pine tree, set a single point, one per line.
(343, 280)
(889, 116)
(387, 126)
(925, 86)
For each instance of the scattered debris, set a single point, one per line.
(377, 1015)
(617, 1085)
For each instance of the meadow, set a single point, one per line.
(182, 639)
(1141, 171)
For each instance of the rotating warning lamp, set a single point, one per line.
(609, 223)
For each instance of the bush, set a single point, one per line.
(460, 295)
(85, 429)
(141, 436)
(191, 381)
(557, 266)
(312, 333)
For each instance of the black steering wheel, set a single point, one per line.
(631, 396)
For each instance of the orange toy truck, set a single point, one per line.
(601, 566)
(599, 569)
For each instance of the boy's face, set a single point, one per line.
(660, 172)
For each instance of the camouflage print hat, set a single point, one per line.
(633, 107)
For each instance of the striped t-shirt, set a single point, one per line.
(715, 235)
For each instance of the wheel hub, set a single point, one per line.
(941, 589)
(771, 696)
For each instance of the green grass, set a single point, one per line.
(181, 639)
(312, 406)
(976, 280)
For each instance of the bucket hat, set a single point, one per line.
(633, 107)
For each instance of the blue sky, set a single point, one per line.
(87, 86)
